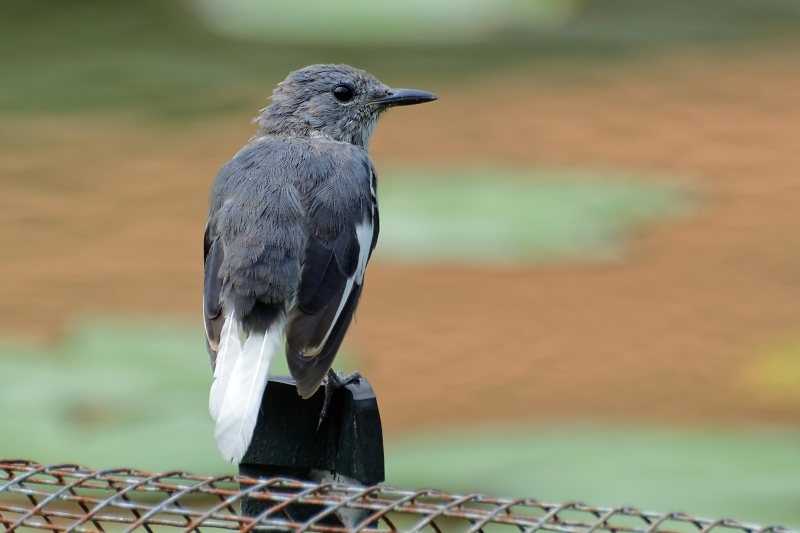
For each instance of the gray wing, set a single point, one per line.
(333, 272)
(213, 255)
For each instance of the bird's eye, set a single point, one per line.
(343, 93)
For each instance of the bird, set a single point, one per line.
(292, 222)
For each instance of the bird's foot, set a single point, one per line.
(335, 380)
(340, 380)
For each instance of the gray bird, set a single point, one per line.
(292, 223)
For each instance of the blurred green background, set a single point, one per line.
(165, 59)
(134, 394)
(103, 364)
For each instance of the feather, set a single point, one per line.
(316, 331)
(326, 287)
(241, 402)
(212, 285)
(227, 354)
(309, 372)
(366, 234)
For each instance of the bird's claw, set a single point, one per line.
(340, 380)
(335, 380)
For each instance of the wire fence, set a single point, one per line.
(68, 498)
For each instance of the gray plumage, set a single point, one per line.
(292, 223)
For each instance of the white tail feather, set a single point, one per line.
(227, 354)
(241, 401)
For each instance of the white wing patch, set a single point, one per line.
(364, 233)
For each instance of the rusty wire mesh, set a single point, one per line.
(69, 498)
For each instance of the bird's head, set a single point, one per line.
(334, 101)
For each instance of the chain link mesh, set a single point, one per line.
(69, 498)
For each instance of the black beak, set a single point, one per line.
(397, 97)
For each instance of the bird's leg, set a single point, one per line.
(335, 381)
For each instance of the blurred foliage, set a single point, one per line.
(411, 22)
(116, 393)
(155, 56)
(775, 374)
(712, 473)
(135, 394)
(487, 215)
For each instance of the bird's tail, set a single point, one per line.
(239, 382)
(230, 347)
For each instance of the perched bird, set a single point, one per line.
(292, 223)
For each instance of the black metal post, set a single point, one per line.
(347, 446)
